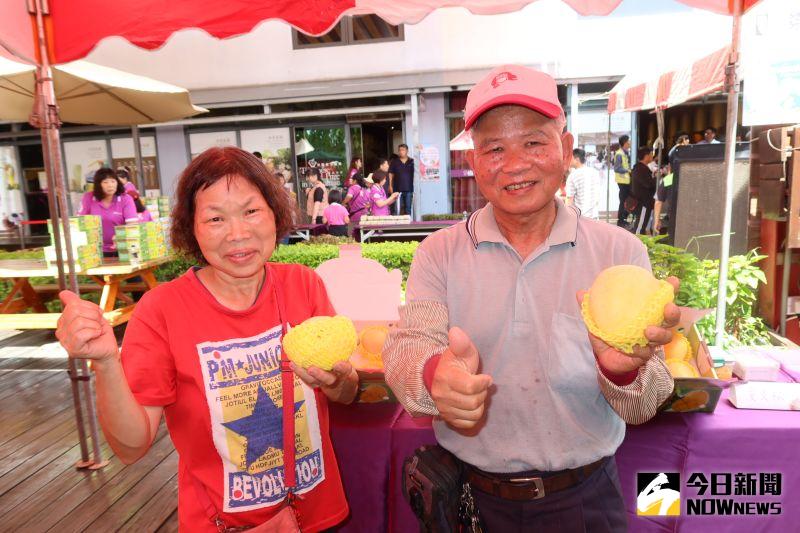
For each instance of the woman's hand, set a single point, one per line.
(339, 385)
(84, 332)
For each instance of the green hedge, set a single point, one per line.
(445, 216)
(389, 254)
(698, 278)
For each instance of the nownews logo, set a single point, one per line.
(749, 493)
(659, 494)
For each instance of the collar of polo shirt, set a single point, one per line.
(482, 226)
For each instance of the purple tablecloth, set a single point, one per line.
(371, 442)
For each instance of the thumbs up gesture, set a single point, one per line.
(84, 332)
(458, 391)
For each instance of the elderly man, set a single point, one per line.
(491, 340)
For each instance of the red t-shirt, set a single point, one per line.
(217, 374)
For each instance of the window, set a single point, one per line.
(464, 189)
(358, 29)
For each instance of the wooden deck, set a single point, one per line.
(40, 489)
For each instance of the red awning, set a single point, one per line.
(76, 26)
(703, 76)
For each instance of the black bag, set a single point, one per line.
(433, 486)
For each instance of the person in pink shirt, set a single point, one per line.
(358, 199)
(380, 203)
(108, 200)
(335, 215)
(356, 167)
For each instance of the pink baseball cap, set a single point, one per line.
(513, 84)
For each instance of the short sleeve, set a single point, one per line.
(128, 208)
(426, 278)
(85, 201)
(571, 185)
(318, 296)
(318, 195)
(638, 255)
(146, 356)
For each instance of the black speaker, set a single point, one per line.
(699, 196)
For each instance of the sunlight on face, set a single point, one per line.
(234, 227)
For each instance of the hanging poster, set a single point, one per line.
(275, 147)
(11, 208)
(123, 156)
(81, 160)
(429, 163)
(770, 64)
(200, 142)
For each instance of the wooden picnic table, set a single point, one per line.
(108, 279)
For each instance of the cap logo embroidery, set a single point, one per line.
(503, 77)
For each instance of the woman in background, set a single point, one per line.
(356, 166)
(108, 200)
(380, 203)
(335, 215)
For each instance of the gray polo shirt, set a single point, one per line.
(547, 411)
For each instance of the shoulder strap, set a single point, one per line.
(287, 394)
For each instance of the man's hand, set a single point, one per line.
(457, 390)
(84, 332)
(339, 385)
(618, 362)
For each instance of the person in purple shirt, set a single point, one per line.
(358, 199)
(380, 203)
(109, 201)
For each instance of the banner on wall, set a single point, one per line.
(11, 205)
(200, 142)
(429, 163)
(275, 146)
(770, 64)
(123, 156)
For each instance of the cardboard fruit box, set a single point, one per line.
(374, 303)
(700, 394)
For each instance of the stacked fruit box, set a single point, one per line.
(137, 243)
(86, 235)
(163, 207)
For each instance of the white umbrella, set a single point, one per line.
(303, 147)
(462, 141)
(94, 94)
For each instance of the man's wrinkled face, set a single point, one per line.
(519, 159)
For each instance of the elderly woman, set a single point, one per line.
(205, 351)
(108, 200)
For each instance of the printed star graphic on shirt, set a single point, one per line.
(263, 427)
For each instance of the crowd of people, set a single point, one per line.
(388, 190)
(645, 187)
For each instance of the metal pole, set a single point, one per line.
(732, 81)
(414, 143)
(608, 168)
(45, 117)
(137, 154)
(787, 271)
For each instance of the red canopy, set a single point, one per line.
(703, 76)
(75, 27)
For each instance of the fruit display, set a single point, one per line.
(370, 343)
(678, 348)
(622, 302)
(321, 341)
(86, 235)
(682, 369)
